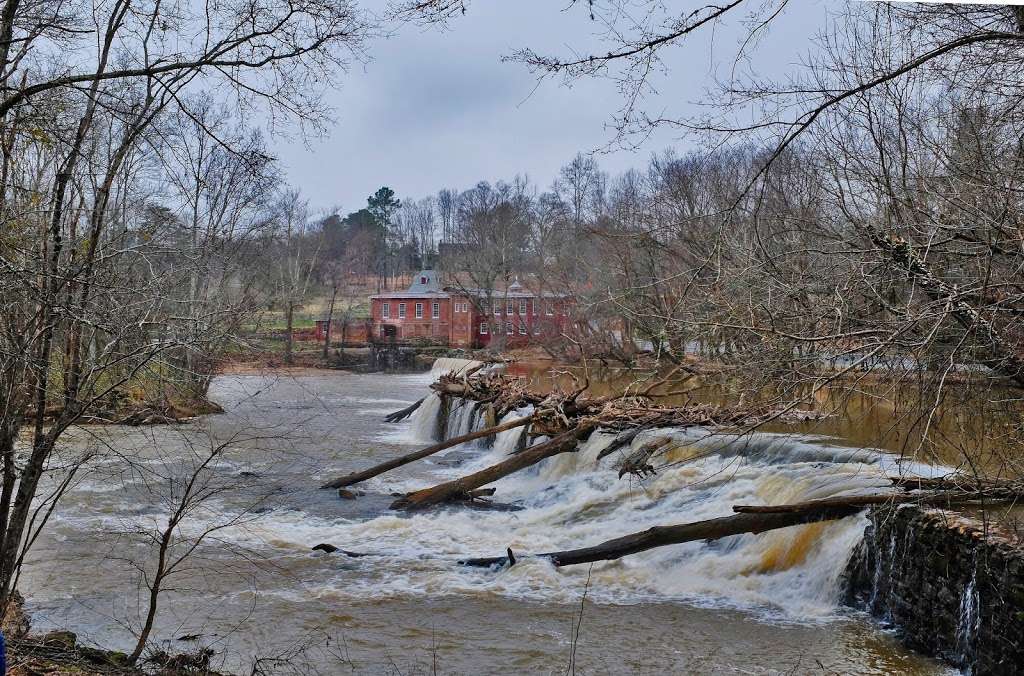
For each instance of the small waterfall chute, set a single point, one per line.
(424, 426)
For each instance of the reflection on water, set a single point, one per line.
(968, 425)
(749, 604)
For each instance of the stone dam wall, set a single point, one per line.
(951, 589)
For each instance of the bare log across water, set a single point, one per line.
(404, 413)
(995, 493)
(661, 536)
(356, 477)
(754, 519)
(452, 490)
(748, 519)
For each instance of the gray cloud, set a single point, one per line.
(439, 109)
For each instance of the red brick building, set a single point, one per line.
(464, 317)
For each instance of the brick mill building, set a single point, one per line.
(464, 317)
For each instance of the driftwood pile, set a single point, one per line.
(566, 418)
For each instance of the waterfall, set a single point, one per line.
(444, 365)
(462, 416)
(967, 622)
(425, 419)
(573, 500)
(426, 425)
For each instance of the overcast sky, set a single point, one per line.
(437, 108)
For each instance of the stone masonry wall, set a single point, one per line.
(948, 588)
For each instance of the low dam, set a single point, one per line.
(949, 586)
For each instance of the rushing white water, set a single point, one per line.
(452, 365)
(573, 500)
(424, 420)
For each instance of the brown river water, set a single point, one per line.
(253, 590)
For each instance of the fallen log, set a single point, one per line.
(934, 499)
(404, 413)
(356, 477)
(445, 492)
(661, 536)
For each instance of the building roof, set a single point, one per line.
(424, 281)
(425, 284)
(410, 294)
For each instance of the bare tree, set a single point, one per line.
(296, 252)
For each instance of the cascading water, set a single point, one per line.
(574, 500)
(424, 420)
(424, 424)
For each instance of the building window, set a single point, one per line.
(385, 311)
(401, 310)
(547, 309)
(508, 328)
(522, 306)
(536, 329)
(497, 308)
(535, 306)
(522, 329)
(435, 311)
(419, 310)
(509, 307)
(483, 328)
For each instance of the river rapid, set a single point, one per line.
(767, 604)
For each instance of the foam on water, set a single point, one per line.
(573, 500)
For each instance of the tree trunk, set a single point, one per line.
(289, 315)
(938, 498)
(450, 490)
(330, 321)
(356, 477)
(661, 536)
(404, 413)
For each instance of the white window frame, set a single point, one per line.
(435, 310)
(522, 307)
(548, 310)
(535, 308)
(510, 307)
(522, 328)
(497, 308)
(401, 310)
(385, 310)
(419, 310)
(483, 328)
(509, 329)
